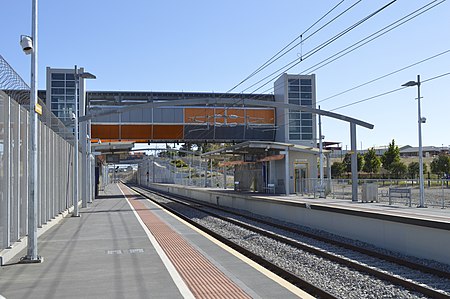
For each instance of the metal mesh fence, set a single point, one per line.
(188, 171)
(55, 156)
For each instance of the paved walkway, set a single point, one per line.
(108, 253)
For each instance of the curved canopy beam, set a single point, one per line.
(227, 102)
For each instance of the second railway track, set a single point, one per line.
(325, 268)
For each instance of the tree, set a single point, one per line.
(398, 169)
(337, 169)
(372, 163)
(413, 169)
(440, 165)
(392, 155)
(348, 162)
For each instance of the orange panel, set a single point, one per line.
(203, 115)
(198, 115)
(167, 132)
(105, 131)
(261, 116)
(232, 113)
(136, 132)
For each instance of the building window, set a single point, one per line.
(294, 136)
(305, 81)
(57, 83)
(70, 83)
(306, 95)
(293, 129)
(294, 101)
(294, 115)
(307, 88)
(307, 122)
(307, 136)
(57, 90)
(57, 76)
(306, 102)
(306, 115)
(293, 81)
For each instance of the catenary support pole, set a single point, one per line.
(354, 160)
(287, 171)
(75, 150)
(83, 142)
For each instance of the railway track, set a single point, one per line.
(300, 255)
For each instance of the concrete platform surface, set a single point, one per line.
(106, 253)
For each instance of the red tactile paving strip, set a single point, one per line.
(200, 275)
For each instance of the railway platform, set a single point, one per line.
(123, 246)
(417, 232)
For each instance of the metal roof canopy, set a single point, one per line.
(251, 103)
(113, 147)
(266, 145)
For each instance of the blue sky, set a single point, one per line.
(209, 46)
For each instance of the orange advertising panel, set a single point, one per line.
(105, 131)
(233, 115)
(167, 132)
(136, 132)
(198, 115)
(261, 116)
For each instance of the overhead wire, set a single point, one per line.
(280, 53)
(372, 37)
(383, 76)
(273, 58)
(386, 93)
(411, 16)
(295, 62)
(343, 32)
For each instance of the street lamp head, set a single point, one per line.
(87, 75)
(410, 83)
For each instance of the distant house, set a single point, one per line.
(379, 151)
(428, 151)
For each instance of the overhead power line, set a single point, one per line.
(383, 76)
(280, 53)
(368, 39)
(386, 93)
(295, 62)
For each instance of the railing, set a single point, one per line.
(436, 192)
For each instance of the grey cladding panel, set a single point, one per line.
(133, 116)
(168, 115)
(228, 133)
(112, 118)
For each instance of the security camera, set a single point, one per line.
(73, 116)
(26, 43)
(423, 120)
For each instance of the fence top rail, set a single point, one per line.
(400, 190)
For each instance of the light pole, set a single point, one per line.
(83, 126)
(420, 120)
(77, 75)
(30, 46)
